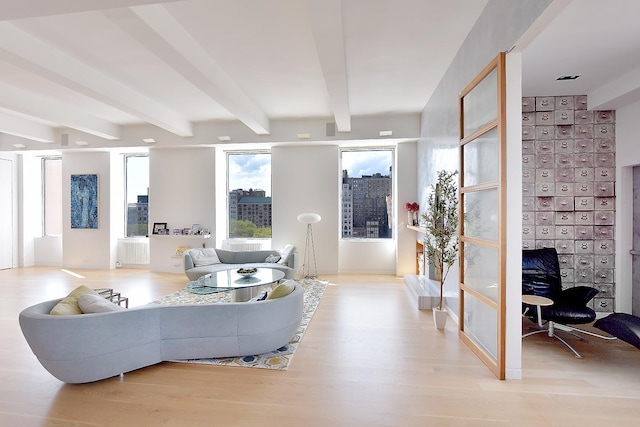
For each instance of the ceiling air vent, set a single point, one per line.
(568, 77)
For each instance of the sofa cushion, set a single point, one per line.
(204, 256)
(285, 253)
(69, 304)
(282, 290)
(243, 257)
(90, 303)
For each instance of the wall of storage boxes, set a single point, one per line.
(568, 174)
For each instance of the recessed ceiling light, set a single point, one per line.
(224, 138)
(386, 133)
(568, 77)
(304, 135)
(82, 143)
(19, 145)
(148, 140)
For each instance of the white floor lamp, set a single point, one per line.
(309, 247)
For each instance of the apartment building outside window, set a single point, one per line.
(366, 185)
(249, 194)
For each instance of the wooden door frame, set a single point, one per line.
(497, 365)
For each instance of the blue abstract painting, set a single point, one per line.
(84, 201)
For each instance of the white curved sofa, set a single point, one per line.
(224, 260)
(90, 347)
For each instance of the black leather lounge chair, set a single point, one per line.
(541, 276)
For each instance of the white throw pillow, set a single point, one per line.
(272, 259)
(285, 254)
(204, 256)
(90, 303)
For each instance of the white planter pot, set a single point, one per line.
(439, 318)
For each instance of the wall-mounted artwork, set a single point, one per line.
(84, 201)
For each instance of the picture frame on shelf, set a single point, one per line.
(160, 228)
(195, 229)
(177, 231)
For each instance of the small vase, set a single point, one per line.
(409, 218)
(439, 318)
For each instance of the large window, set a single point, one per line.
(137, 195)
(366, 193)
(249, 194)
(52, 196)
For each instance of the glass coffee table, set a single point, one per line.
(243, 287)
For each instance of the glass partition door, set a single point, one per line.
(482, 215)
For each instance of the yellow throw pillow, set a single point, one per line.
(69, 305)
(282, 290)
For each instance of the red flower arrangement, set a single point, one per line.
(411, 207)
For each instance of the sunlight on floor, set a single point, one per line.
(71, 273)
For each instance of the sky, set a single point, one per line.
(248, 171)
(360, 163)
(137, 177)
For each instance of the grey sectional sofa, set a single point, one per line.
(90, 347)
(232, 259)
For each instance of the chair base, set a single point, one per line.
(551, 327)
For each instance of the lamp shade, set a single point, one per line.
(309, 218)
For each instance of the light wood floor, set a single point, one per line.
(368, 358)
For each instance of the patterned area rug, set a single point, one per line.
(278, 359)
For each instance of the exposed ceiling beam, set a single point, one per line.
(616, 93)
(326, 24)
(48, 109)
(24, 128)
(175, 46)
(35, 8)
(35, 55)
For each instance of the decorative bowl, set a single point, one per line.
(247, 272)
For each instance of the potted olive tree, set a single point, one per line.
(441, 236)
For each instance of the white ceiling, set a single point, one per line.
(598, 40)
(99, 67)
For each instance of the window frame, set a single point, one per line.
(390, 206)
(125, 158)
(237, 152)
(44, 198)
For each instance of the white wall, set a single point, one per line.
(406, 191)
(183, 186)
(9, 234)
(181, 193)
(31, 216)
(306, 179)
(87, 248)
(117, 205)
(498, 28)
(513, 250)
(627, 156)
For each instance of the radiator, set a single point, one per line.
(242, 246)
(133, 251)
